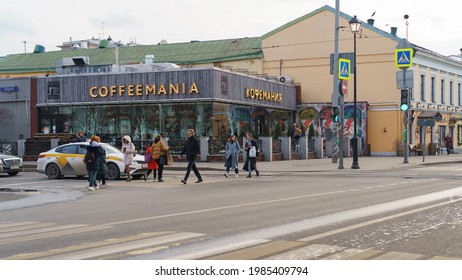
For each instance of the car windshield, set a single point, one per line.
(110, 149)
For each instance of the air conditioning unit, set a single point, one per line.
(285, 79)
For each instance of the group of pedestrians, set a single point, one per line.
(158, 154)
(95, 161)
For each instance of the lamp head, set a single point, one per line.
(354, 24)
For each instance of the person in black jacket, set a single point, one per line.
(191, 149)
(91, 160)
(251, 148)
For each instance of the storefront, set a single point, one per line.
(214, 102)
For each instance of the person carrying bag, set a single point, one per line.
(251, 147)
(159, 151)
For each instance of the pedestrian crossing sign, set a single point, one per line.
(344, 69)
(403, 57)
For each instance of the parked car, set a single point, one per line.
(10, 164)
(67, 159)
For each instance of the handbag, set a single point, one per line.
(148, 157)
(162, 160)
(169, 158)
(253, 152)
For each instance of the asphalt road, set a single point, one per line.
(410, 213)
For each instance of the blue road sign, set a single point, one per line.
(403, 57)
(344, 69)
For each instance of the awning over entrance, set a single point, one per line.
(434, 115)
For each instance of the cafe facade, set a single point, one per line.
(214, 102)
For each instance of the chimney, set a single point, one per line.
(394, 30)
(149, 59)
(370, 21)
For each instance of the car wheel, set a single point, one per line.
(12, 173)
(113, 172)
(53, 171)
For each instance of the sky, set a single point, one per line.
(25, 23)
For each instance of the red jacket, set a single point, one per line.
(153, 163)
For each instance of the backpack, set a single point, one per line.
(148, 157)
(89, 157)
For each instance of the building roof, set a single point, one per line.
(194, 52)
(364, 24)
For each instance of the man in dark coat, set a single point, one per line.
(92, 162)
(191, 149)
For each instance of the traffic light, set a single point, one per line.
(411, 116)
(335, 114)
(404, 100)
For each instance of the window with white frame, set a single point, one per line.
(459, 94)
(443, 101)
(433, 97)
(451, 93)
(422, 87)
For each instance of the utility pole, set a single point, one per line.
(335, 93)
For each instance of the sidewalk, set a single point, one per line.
(317, 165)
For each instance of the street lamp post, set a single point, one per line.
(355, 25)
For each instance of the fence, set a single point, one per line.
(9, 148)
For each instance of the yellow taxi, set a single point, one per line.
(67, 160)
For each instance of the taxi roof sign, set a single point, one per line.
(344, 67)
(403, 57)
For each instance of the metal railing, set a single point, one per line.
(276, 146)
(9, 148)
(217, 147)
(176, 145)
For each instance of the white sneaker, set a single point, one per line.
(91, 189)
(155, 180)
(236, 175)
(96, 187)
(103, 185)
(226, 174)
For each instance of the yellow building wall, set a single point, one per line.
(304, 50)
(384, 126)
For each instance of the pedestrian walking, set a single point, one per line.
(159, 154)
(448, 143)
(91, 160)
(232, 153)
(252, 150)
(102, 167)
(152, 164)
(128, 148)
(191, 149)
(297, 134)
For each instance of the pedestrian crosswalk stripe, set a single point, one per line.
(313, 251)
(103, 252)
(104, 248)
(220, 249)
(50, 232)
(259, 251)
(399, 256)
(364, 255)
(15, 224)
(22, 226)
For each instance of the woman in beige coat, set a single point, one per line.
(159, 150)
